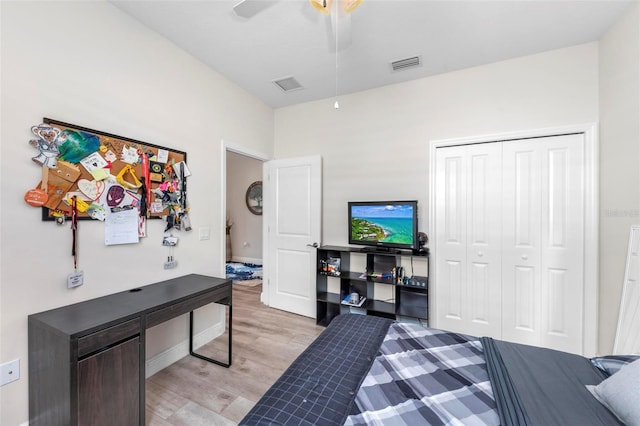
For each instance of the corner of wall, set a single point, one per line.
(619, 105)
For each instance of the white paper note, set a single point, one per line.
(163, 156)
(129, 155)
(121, 227)
(93, 161)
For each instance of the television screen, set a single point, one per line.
(384, 224)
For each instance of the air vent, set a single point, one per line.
(406, 63)
(288, 84)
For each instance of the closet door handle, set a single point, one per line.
(480, 254)
(524, 257)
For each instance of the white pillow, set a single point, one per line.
(620, 393)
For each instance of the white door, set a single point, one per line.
(293, 217)
(468, 212)
(509, 240)
(543, 242)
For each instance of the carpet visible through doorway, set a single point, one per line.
(247, 274)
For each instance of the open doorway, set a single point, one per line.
(241, 216)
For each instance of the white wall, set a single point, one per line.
(89, 64)
(246, 232)
(376, 146)
(619, 159)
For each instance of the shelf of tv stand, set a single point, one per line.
(381, 306)
(405, 300)
(378, 251)
(328, 297)
(357, 276)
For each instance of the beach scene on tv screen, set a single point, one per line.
(384, 224)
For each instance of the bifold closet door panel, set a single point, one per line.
(562, 256)
(484, 251)
(522, 201)
(451, 238)
(543, 242)
(468, 185)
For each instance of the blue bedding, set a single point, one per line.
(320, 386)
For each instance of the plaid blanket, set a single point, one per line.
(426, 376)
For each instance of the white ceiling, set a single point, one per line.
(290, 38)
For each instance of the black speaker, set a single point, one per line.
(422, 239)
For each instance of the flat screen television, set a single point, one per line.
(384, 224)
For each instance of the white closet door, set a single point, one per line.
(521, 241)
(543, 242)
(468, 215)
(451, 238)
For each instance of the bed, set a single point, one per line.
(370, 370)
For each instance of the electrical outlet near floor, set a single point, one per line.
(9, 372)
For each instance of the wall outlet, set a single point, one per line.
(170, 264)
(9, 372)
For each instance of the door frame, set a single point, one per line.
(226, 146)
(591, 224)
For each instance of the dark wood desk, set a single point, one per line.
(86, 360)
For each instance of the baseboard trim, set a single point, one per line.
(179, 351)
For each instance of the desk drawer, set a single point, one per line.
(103, 338)
(219, 295)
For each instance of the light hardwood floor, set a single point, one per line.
(265, 342)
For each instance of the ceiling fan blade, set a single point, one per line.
(322, 6)
(249, 8)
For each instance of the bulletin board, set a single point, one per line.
(120, 157)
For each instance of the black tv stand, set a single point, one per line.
(383, 250)
(371, 272)
(422, 251)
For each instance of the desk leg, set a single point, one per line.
(227, 365)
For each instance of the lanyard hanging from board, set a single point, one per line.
(76, 278)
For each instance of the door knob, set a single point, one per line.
(524, 257)
(313, 245)
(480, 254)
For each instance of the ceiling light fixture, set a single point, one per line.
(324, 6)
(343, 7)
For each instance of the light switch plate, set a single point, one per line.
(9, 372)
(203, 233)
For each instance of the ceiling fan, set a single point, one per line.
(346, 6)
(338, 10)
